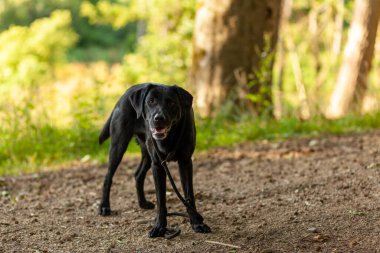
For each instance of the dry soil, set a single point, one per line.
(298, 195)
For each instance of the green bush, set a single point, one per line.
(28, 53)
(163, 53)
(96, 41)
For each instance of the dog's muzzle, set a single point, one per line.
(159, 133)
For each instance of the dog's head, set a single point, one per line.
(161, 106)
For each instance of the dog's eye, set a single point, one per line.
(151, 100)
(171, 103)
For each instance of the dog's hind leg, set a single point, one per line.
(119, 144)
(140, 175)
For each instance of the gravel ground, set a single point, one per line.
(299, 195)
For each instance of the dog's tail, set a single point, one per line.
(105, 133)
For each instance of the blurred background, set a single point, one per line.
(258, 69)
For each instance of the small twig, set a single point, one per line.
(224, 244)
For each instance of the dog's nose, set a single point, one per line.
(158, 118)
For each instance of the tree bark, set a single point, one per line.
(338, 30)
(286, 11)
(353, 75)
(228, 44)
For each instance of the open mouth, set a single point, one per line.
(159, 133)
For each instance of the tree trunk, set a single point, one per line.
(286, 11)
(353, 75)
(228, 45)
(338, 31)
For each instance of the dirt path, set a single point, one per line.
(301, 195)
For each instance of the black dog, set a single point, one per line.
(161, 114)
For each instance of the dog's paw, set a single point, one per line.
(146, 205)
(157, 231)
(201, 228)
(104, 210)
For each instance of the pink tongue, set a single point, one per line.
(159, 130)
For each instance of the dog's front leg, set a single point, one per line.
(186, 174)
(159, 175)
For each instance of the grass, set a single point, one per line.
(36, 148)
(223, 133)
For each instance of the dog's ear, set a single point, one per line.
(137, 97)
(184, 97)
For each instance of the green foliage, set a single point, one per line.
(163, 53)
(98, 41)
(261, 85)
(31, 142)
(117, 13)
(220, 132)
(29, 148)
(28, 53)
(24, 12)
(35, 147)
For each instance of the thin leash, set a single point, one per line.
(167, 171)
(171, 233)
